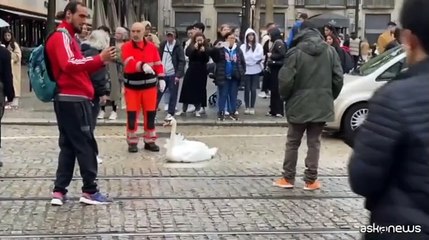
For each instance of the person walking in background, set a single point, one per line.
(7, 91)
(345, 58)
(310, 81)
(149, 35)
(390, 160)
(365, 53)
(16, 54)
(72, 105)
(386, 37)
(275, 61)
(194, 89)
(114, 85)
(97, 41)
(122, 36)
(302, 17)
(230, 70)
(355, 46)
(173, 60)
(266, 46)
(253, 55)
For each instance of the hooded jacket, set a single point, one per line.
(311, 79)
(253, 57)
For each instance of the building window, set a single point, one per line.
(183, 20)
(279, 19)
(233, 19)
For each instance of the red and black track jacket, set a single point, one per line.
(70, 69)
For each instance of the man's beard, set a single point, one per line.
(77, 29)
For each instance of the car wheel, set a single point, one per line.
(354, 117)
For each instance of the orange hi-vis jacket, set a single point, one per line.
(134, 56)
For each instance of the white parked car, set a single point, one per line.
(351, 106)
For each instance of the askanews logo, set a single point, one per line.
(391, 229)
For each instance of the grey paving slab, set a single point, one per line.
(31, 217)
(182, 188)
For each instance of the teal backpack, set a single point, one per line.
(40, 74)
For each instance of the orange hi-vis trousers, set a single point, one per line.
(141, 101)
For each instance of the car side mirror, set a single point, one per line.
(386, 76)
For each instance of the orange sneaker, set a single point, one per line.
(283, 183)
(312, 186)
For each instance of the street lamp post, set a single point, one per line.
(357, 17)
(51, 17)
(252, 13)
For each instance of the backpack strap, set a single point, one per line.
(47, 62)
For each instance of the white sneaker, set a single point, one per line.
(169, 117)
(101, 115)
(180, 113)
(252, 111)
(99, 160)
(226, 113)
(197, 114)
(191, 109)
(113, 115)
(247, 111)
(202, 111)
(262, 95)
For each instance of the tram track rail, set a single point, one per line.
(347, 195)
(181, 177)
(292, 231)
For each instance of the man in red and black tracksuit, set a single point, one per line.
(71, 71)
(142, 71)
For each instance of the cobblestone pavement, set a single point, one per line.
(228, 197)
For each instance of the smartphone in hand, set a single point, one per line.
(112, 42)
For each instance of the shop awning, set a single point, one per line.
(27, 15)
(333, 19)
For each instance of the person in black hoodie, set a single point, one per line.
(390, 161)
(97, 41)
(276, 55)
(6, 82)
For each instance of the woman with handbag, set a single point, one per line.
(276, 57)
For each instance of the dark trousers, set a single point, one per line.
(95, 109)
(75, 124)
(173, 88)
(276, 103)
(355, 60)
(229, 90)
(266, 81)
(294, 137)
(250, 84)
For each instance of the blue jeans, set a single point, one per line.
(173, 89)
(228, 93)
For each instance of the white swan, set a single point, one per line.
(181, 150)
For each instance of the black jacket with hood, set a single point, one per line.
(177, 56)
(100, 78)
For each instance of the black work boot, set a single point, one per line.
(1, 164)
(151, 147)
(132, 148)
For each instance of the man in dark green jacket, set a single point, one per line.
(309, 82)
